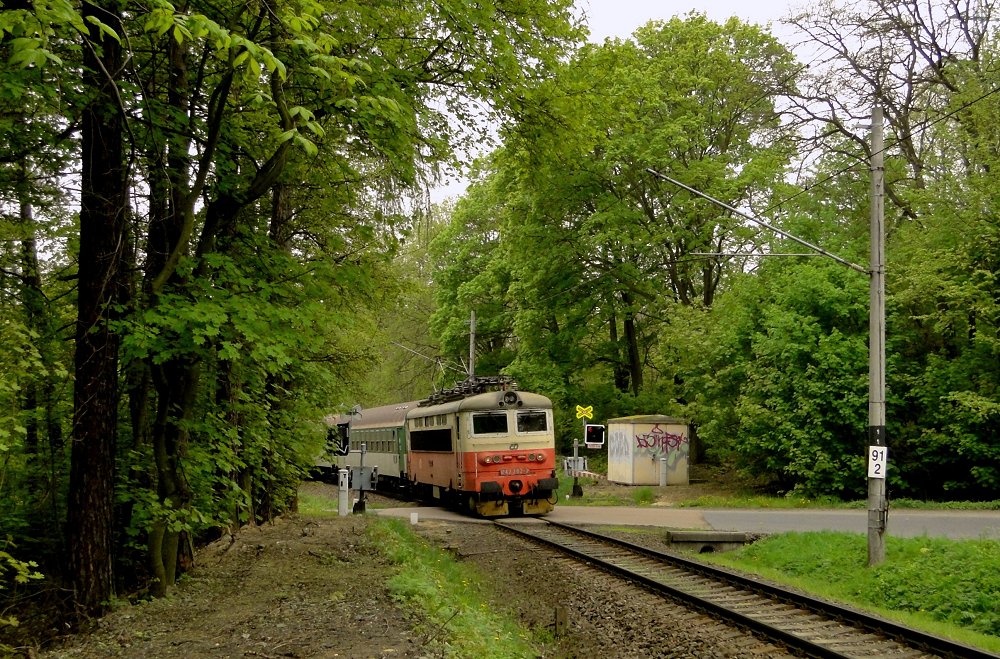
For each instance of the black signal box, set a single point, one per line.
(594, 436)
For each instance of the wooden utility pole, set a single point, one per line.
(878, 506)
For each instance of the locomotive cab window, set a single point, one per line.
(532, 421)
(488, 423)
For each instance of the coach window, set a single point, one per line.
(489, 423)
(531, 421)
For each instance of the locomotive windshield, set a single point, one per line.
(531, 421)
(489, 422)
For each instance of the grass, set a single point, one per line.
(319, 505)
(793, 500)
(947, 587)
(462, 619)
(646, 495)
(643, 496)
(315, 505)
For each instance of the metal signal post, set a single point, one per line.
(581, 413)
(878, 506)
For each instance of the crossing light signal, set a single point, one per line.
(594, 436)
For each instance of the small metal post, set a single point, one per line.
(359, 507)
(577, 488)
(343, 481)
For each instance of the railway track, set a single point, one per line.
(807, 625)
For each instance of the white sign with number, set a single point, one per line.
(877, 458)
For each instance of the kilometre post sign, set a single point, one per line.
(877, 458)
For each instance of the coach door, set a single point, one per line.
(459, 450)
(399, 441)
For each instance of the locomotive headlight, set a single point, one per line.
(541, 457)
(497, 459)
(487, 459)
(531, 457)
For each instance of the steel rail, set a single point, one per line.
(859, 620)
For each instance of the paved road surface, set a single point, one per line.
(958, 524)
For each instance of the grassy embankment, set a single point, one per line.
(946, 587)
(452, 600)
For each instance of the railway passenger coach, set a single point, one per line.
(491, 453)
(382, 433)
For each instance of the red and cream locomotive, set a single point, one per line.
(482, 446)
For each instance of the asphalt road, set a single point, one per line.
(957, 524)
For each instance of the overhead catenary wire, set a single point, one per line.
(758, 221)
(920, 127)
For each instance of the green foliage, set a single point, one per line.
(780, 379)
(17, 572)
(966, 597)
(276, 152)
(572, 256)
(643, 496)
(948, 581)
(274, 149)
(411, 365)
(472, 274)
(19, 359)
(945, 334)
(270, 337)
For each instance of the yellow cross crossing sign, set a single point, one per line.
(584, 412)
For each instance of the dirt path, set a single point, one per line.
(295, 588)
(315, 588)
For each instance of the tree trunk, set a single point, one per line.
(617, 364)
(632, 345)
(103, 203)
(31, 298)
(43, 438)
(176, 384)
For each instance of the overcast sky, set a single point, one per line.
(619, 18)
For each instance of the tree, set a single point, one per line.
(472, 275)
(907, 57)
(39, 116)
(103, 242)
(267, 148)
(601, 251)
(776, 376)
(924, 63)
(341, 105)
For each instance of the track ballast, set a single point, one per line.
(805, 624)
